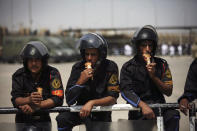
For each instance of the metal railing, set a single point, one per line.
(116, 107)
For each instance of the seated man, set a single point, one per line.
(35, 86)
(93, 82)
(190, 91)
(145, 79)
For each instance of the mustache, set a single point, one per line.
(34, 67)
(149, 52)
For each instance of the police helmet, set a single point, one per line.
(147, 32)
(93, 40)
(35, 49)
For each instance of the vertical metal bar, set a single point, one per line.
(160, 123)
(192, 117)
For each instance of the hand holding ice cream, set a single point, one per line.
(88, 65)
(39, 90)
(147, 57)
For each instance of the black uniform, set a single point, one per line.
(23, 85)
(105, 83)
(136, 85)
(190, 90)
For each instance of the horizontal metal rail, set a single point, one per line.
(115, 107)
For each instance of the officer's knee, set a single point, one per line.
(171, 115)
(61, 120)
(62, 123)
(59, 117)
(175, 114)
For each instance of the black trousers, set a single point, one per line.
(171, 118)
(67, 120)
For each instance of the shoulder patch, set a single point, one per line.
(168, 74)
(114, 79)
(59, 93)
(56, 83)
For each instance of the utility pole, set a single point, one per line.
(112, 13)
(12, 9)
(30, 15)
(155, 12)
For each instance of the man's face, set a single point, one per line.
(146, 47)
(34, 65)
(91, 55)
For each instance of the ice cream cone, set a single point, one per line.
(39, 90)
(147, 56)
(88, 65)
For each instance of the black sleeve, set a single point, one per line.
(73, 90)
(127, 85)
(190, 89)
(56, 86)
(17, 90)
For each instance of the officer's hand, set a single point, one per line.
(151, 69)
(86, 109)
(184, 106)
(35, 98)
(146, 110)
(27, 109)
(85, 76)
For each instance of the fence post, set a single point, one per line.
(160, 123)
(192, 117)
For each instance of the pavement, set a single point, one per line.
(179, 67)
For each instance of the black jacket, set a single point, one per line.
(105, 83)
(190, 90)
(135, 83)
(23, 85)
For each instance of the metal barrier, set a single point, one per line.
(116, 107)
(192, 117)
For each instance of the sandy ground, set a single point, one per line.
(179, 67)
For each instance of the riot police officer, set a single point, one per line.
(145, 79)
(190, 90)
(94, 85)
(35, 86)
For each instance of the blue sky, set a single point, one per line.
(64, 14)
